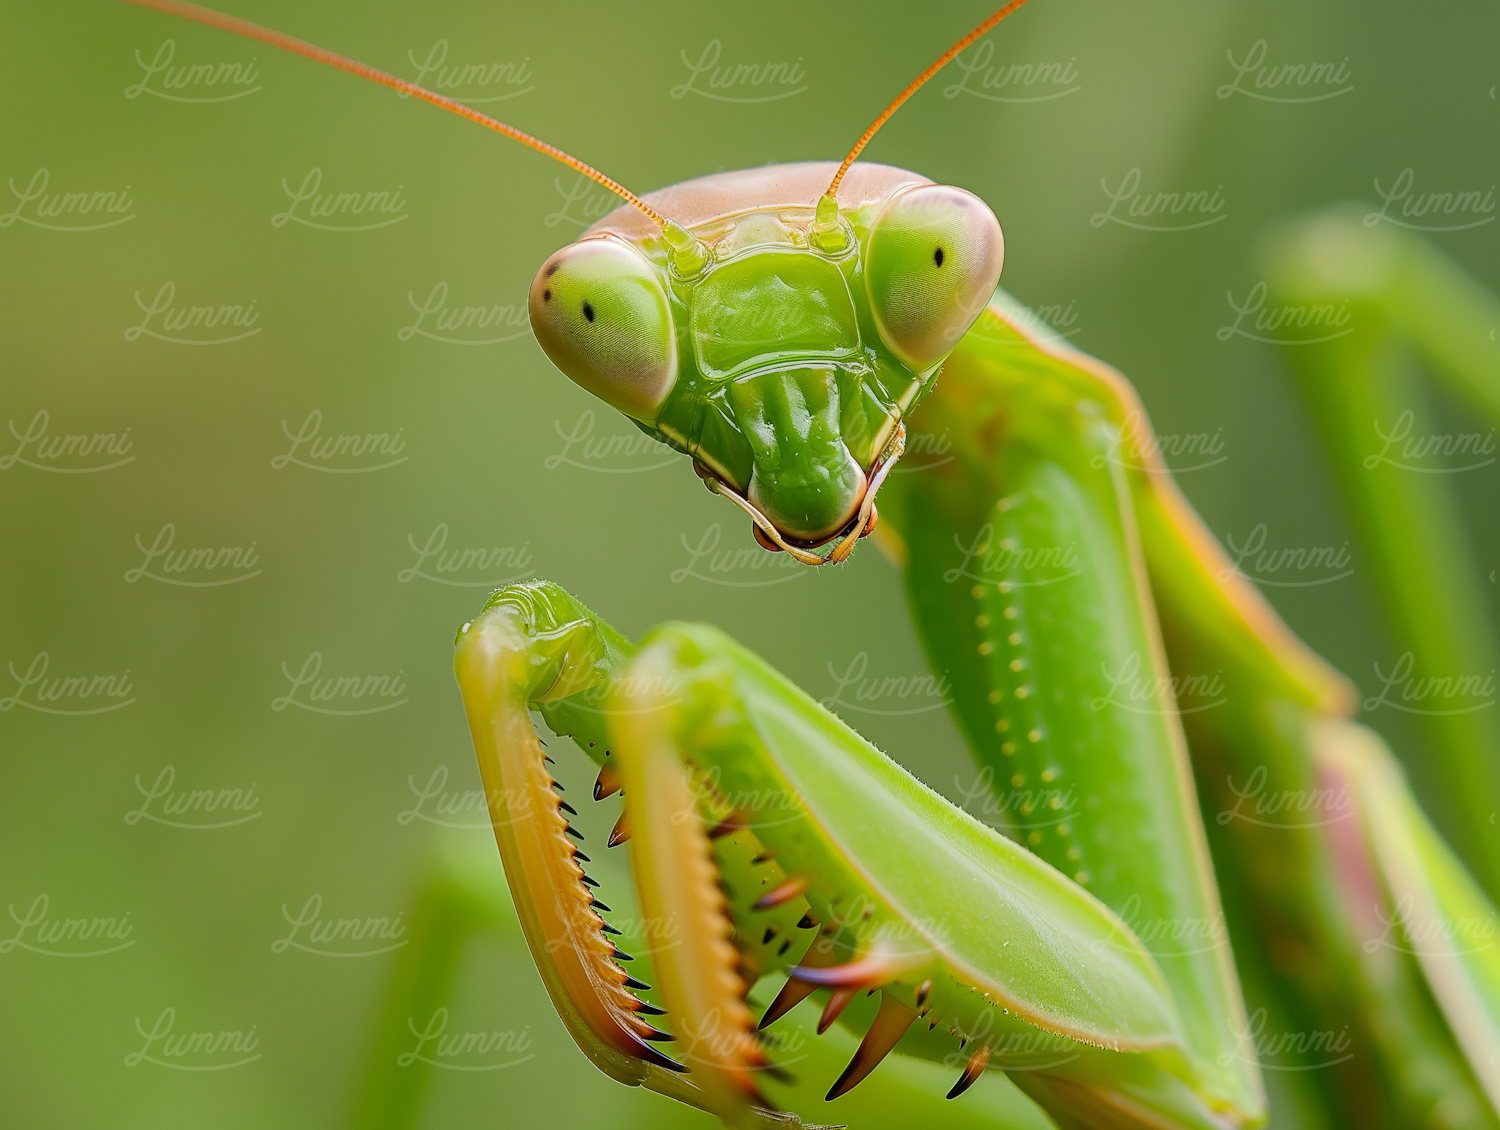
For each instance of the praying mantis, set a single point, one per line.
(785, 328)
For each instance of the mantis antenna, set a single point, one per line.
(344, 63)
(895, 105)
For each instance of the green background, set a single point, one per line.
(482, 424)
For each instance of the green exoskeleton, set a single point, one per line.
(783, 327)
(781, 357)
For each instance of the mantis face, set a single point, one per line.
(781, 358)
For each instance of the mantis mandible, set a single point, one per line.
(782, 327)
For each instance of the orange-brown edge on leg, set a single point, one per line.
(677, 883)
(564, 931)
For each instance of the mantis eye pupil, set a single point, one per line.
(588, 311)
(546, 296)
(937, 256)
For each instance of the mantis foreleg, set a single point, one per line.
(898, 892)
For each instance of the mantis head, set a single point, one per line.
(775, 330)
(779, 344)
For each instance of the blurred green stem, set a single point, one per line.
(1452, 319)
(449, 909)
(1403, 296)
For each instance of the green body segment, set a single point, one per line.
(1303, 881)
(1028, 583)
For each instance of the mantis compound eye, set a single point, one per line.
(600, 313)
(933, 261)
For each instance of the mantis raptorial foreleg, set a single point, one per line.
(950, 921)
(462, 899)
